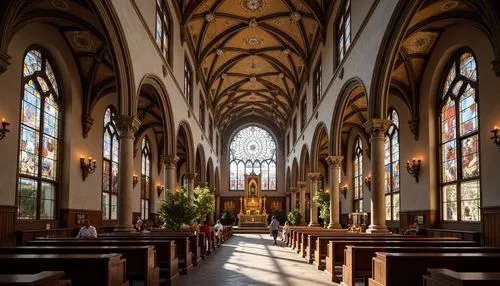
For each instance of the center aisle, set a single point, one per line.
(252, 259)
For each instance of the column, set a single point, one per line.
(376, 128)
(302, 190)
(334, 165)
(293, 191)
(170, 173)
(217, 205)
(287, 202)
(313, 180)
(211, 215)
(126, 127)
(190, 177)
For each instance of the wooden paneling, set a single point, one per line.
(74, 218)
(429, 218)
(275, 203)
(230, 202)
(7, 225)
(491, 226)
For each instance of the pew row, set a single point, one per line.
(44, 278)
(165, 250)
(358, 259)
(391, 269)
(446, 277)
(141, 260)
(81, 269)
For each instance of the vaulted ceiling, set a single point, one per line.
(253, 55)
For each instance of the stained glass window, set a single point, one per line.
(38, 139)
(358, 176)
(344, 30)
(252, 150)
(318, 88)
(188, 82)
(202, 113)
(163, 28)
(110, 167)
(459, 142)
(391, 162)
(146, 178)
(303, 115)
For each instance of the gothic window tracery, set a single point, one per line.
(391, 162)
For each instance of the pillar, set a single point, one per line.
(170, 173)
(126, 127)
(217, 205)
(287, 202)
(190, 177)
(334, 165)
(211, 216)
(293, 191)
(313, 181)
(302, 191)
(376, 129)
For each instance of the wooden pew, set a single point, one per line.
(141, 260)
(358, 259)
(100, 269)
(45, 278)
(166, 257)
(446, 277)
(335, 248)
(408, 268)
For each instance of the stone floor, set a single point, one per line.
(252, 259)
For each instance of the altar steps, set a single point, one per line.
(250, 229)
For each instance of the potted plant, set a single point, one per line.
(295, 217)
(177, 210)
(203, 202)
(322, 200)
(227, 217)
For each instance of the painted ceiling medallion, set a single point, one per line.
(253, 23)
(219, 52)
(295, 16)
(210, 17)
(281, 75)
(60, 4)
(254, 41)
(253, 78)
(82, 40)
(253, 5)
(286, 51)
(449, 5)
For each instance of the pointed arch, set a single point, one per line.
(200, 167)
(320, 146)
(185, 149)
(304, 163)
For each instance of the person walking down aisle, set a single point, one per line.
(274, 226)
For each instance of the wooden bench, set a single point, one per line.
(391, 269)
(166, 257)
(45, 278)
(335, 248)
(358, 259)
(81, 269)
(446, 277)
(141, 260)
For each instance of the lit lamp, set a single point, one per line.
(160, 189)
(88, 166)
(414, 168)
(135, 180)
(368, 181)
(494, 139)
(343, 191)
(4, 130)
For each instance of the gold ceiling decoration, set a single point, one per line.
(252, 54)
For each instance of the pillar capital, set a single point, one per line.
(313, 176)
(170, 161)
(301, 184)
(126, 125)
(377, 127)
(191, 176)
(334, 161)
(293, 189)
(4, 61)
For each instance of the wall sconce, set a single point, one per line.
(368, 182)
(160, 189)
(494, 139)
(343, 191)
(414, 169)
(4, 130)
(135, 180)
(88, 167)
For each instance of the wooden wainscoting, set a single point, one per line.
(72, 218)
(491, 226)
(429, 218)
(7, 225)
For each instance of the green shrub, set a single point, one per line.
(294, 217)
(227, 217)
(322, 200)
(203, 202)
(279, 214)
(177, 210)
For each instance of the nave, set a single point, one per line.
(252, 259)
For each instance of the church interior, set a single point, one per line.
(368, 125)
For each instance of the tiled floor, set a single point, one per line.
(252, 259)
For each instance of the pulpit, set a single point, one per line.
(253, 210)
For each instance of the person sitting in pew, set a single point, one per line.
(206, 230)
(218, 230)
(412, 229)
(87, 231)
(285, 232)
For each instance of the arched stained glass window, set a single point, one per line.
(358, 176)
(146, 179)
(391, 162)
(459, 142)
(344, 30)
(39, 139)
(252, 150)
(110, 167)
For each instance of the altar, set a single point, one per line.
(253, 210)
